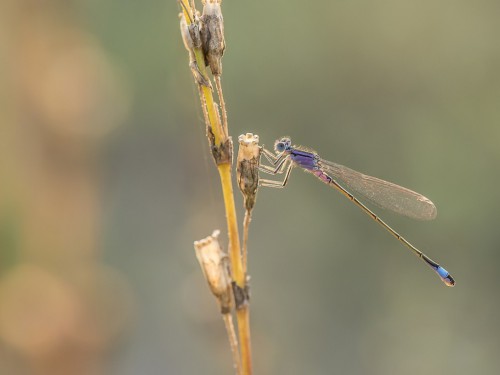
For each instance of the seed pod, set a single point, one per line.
(191, 38)
(213, 262)
(247, 167)
(212, 36)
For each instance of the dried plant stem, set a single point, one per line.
(213, 116)
(221, 141)
(243, 312)
(205, 91)
(247, 169)
(203, 105)
(232, 225)
(222, 104)
(243, 317)
(238, 275)
(233, 341)
(246, 227)
(247, 164)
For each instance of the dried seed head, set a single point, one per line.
(213, 262)
(247, 167)
(212, 35)
(249, 146)
(191, 38)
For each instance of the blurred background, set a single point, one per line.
(106, 181)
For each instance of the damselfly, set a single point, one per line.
(384, 194)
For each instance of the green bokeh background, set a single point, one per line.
(408, 91)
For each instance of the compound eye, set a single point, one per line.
(280, 147)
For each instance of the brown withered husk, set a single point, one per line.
(247, 167)
(212, 36)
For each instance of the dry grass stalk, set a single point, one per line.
(203, 38)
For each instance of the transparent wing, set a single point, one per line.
(382, 193)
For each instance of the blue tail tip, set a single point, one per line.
(445, 276)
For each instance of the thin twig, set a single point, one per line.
(233, 341)
(247, 168)
(246, 228)
(222, 104)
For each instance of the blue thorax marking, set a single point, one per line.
(304, 159)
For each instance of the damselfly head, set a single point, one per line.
(282, 144)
